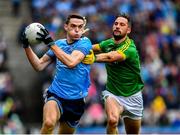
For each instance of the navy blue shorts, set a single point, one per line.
(71, 110)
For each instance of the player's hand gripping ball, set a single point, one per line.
(31, 33)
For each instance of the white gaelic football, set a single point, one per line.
(31, 32)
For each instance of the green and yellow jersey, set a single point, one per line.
(123, 77)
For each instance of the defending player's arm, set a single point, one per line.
(111, 56)
(104, 57)
(37, 63)
(90, 58)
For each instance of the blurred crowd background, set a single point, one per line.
(156, 32)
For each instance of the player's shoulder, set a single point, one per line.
(132, 47)
(83, 38)
(129, 43)
(60, 42)
(132, 44)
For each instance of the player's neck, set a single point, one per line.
(120, 40)
(69, 40)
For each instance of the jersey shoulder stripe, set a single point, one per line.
(126, 46)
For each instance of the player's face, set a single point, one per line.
(121, 28)
(74, 28)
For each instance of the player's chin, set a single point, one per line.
(76, 37)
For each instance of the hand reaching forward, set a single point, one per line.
(90, 58)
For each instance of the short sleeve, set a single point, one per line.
(50, 53)
(102, 45)
(130, 52)
(106, 45)
(84, 45)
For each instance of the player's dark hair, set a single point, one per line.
(74, 16)
(124, 15)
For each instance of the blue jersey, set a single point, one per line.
(71, 83)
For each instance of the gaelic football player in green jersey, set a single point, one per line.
(122, 97)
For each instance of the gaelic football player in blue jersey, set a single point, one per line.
(64, 99)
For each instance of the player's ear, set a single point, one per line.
(65, 27)
(129, 30)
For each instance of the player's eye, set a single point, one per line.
(122, 24)
(116, 23)
(73, 26)
(80, 26)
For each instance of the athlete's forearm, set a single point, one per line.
(34, 60)
(65, 58)
(112, 56)
(103, 57)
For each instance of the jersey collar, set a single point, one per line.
(124, 42)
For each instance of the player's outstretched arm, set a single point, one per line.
(91, 58)
(37, 64)
(104, 57)
(110, 57)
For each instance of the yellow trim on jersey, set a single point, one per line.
(122, 54)
(126, 46)
(97, 47)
